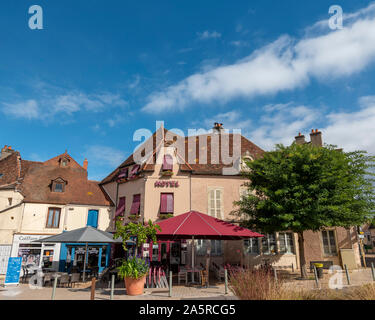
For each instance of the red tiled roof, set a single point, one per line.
(35, 178)
(195, 168)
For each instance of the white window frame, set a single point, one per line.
(216, 211)
(289, 247)
(216, 247)
(268, 252)
(249, 247)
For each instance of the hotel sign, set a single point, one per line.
(172, 184)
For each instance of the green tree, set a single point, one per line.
(141, 232)
(304, 187)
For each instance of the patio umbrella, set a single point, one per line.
(197, 225)
(83, 235)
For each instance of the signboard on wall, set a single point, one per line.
(13, 271)
(172, 184)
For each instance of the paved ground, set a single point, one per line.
(357, 278)
(214, 292)
(23, 292)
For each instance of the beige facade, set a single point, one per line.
(215, 194)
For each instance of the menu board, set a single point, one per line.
(13, 271)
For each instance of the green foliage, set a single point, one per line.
(140, 231)
(134, 268)
(165, 215)
(303, 187)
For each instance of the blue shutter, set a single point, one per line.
(92, 218)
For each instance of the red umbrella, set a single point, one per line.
(193, 224)
(201, 226)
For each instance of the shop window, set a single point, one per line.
(216, 247)
(167, 163)
(166, 203)
(251, 246)
(329, 242)
(136, 205)
(215, 203)
(269, 244)
(53, 219)
(120, 211)
(286, 242)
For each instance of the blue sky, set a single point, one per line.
(100, 70)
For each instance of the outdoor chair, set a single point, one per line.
(47, 279)
(182, 275)
(64, 280)
(74, 279)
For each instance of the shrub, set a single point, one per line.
(134, 268)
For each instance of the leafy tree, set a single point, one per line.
(304, 187)
(138, 230)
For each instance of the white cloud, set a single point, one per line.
(28, 109)
(283, 65)
(48, 105)
(208, 35)
(231, 120)
(349, 130)
(102, 156)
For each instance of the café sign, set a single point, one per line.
(172, 184)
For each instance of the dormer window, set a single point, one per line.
(64, 162)
(58, 185)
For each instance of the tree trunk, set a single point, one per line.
(302, 259)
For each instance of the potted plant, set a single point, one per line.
(167, 173)
(165, 215)
(134, 269)
(134, 217)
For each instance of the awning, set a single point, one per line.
(202, 226)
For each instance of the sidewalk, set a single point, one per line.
(24, 292)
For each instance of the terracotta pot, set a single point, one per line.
(135, 287)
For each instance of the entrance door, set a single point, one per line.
(92, 218)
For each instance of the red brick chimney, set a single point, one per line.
(85, 164)
(300, 139)
(316, 138)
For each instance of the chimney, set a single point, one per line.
(85, 164)
(6, 151)
(300, 139)
(316, 138)
(218, 127)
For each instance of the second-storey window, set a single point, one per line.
(286, 242)
(215, 203)
(136, 205)
(166, 203)
(120, 210)
(329, 242)
(53, 219)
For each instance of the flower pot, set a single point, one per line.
(135, 287)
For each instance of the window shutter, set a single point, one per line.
(163, 203)
(211, 203)
(167, 162)
(170, 204)
(123, 173)
(136, 204)
(219, 204)
(120, 207)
